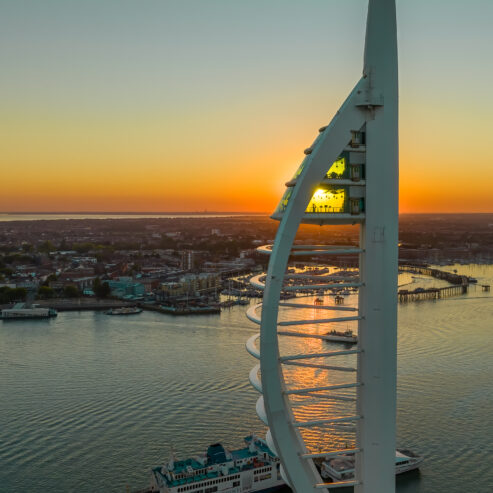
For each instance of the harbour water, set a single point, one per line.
(20, 216)
(89, 402)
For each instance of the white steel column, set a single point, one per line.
(365, 132)
(379, 264)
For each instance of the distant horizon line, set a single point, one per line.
(195, 213)
(133, 213)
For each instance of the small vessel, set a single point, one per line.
(21, 311)
(341, 468)
(190, 310)
(253, 468)
(125, 310)
(339, 336)
(318, 301)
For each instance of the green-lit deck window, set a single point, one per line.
(338, 168)
(284, 201)
(300, 169)
(328, 200)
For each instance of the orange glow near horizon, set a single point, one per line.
(69, 164)
(206, 113)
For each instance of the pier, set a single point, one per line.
(80, 304)
(460, 285)
(450, 277)
(432, 293)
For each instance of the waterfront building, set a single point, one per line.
(349, 176)
(192, 285)
(125, 288)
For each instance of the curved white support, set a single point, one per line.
(255, 318)
(284, 475)
(256, 283)
(260, 408)
(303, 334)
(318, 355)
(320, 389)
(254, 379)
(270, 442)
(318, 321)
(252, 314)
(326, 287)
(319, 307)
(322, 422)
(313, 250)
(337, 484)
(323, 455)
(251, 347)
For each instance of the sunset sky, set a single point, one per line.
(161, 105)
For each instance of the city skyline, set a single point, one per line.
(186, 106)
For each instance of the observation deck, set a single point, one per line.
(339, 197)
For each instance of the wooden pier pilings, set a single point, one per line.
(460, 285)
(432, 293)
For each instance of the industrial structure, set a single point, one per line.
(349, 176)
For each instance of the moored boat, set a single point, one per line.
(125, 310)
(341, 468)
(20, 311)
(253, 468)
(339, 336)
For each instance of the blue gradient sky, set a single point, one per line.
(187, 105)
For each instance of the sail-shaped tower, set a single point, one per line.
(349, 176)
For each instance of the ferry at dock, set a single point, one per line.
(125, 310)
(253, 468)
(23, 311)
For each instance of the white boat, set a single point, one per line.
(133, 310)
(20, 311)
(253, 468)
(341, 468)
(338, 336)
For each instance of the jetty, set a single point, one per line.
(182, 310)
(460, 284)
(80, 304)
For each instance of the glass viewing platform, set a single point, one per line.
(340, 195)
(328, 200)
(346, 167)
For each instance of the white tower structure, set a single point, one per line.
(348, 176)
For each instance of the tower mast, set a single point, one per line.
(349, 176)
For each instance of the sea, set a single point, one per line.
(89, 402)
(25, 216)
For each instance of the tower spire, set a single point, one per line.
(349, 176)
